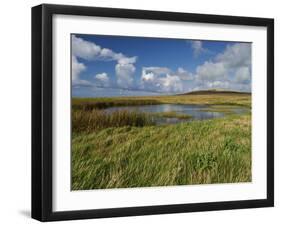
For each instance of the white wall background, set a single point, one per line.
(15, 119)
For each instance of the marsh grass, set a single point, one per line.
(213, 99)
(125, 149)
(95, 120)
(89, 104)
(198, 152)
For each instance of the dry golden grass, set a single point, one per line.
(213, 99)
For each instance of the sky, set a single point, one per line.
(104, 66)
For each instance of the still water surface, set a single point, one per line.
(197, 112)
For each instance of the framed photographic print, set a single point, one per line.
(145, 112)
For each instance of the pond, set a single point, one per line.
(197, 112)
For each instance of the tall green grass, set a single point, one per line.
(90, 104)
(198, 152)
(95, 120)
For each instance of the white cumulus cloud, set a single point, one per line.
(103, 79)
(124, 73)
(171, 83)
(183, 74)
(77, 68)
(230, 69)
(90, 51)
(197, 47)
(243, 75)
(236, 55)
(161, 79)
(210, 71)
(85, 49)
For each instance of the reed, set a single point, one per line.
(95, 120)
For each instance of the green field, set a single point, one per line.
(126, 149)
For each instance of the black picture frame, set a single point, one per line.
(42, 111)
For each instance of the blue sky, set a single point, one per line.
(132, 66)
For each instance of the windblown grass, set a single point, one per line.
(198, 152)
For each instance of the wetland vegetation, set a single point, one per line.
(123, 142)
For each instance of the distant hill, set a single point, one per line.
(214, 91)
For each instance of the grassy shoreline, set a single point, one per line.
(198, 152)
